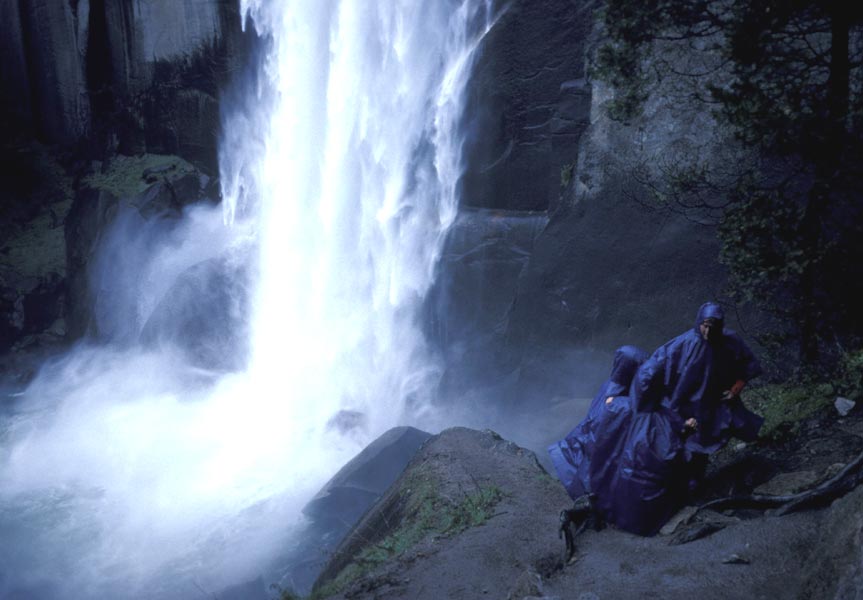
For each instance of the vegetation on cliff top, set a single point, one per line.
(127, 176)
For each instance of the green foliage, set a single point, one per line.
(784, 406)
(849, 379)
(38, 198)
(124, 176)
(764, 255)
(285, 594)
(427, 514)
(566, 172)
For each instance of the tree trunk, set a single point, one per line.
(826, 169)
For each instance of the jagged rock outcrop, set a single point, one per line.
(615, 266)
(611, 266)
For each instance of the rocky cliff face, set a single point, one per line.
(612, 266)
(53, 45)
(529, 103)
(133, 75)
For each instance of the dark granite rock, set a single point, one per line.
(91, 213)
(16, 110)
(451, 472)
(114, 75)
(528, 104)
(614, 266)
(346, 497)
(609, 272)
(484, 254)
(53, 38)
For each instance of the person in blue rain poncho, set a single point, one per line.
(686, 401)
(642, 449)
(604, 424)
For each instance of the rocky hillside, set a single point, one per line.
(475, 516)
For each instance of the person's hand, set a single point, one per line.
(691, 424)
(609, 400)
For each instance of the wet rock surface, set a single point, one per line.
(338, 506)
(528, 105)
(483, 257)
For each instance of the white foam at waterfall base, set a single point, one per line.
(130, 471)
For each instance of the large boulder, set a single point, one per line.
(121, 204)
(91, 213)
(470, 510)
(361, 481)
(338, 506)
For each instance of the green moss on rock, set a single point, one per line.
(128, 176)
(426, 514)
(35, 246)
(784, 406)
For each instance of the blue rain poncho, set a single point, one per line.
(689, 375)
(633, 454)
(573, 456)
(686, 377)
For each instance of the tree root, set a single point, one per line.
(840, 484)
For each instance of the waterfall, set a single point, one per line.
(121, 473)
(352, 156)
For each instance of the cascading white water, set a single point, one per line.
(355, 177)
(122, 476)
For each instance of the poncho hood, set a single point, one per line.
(710, 310)
(627, 359)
